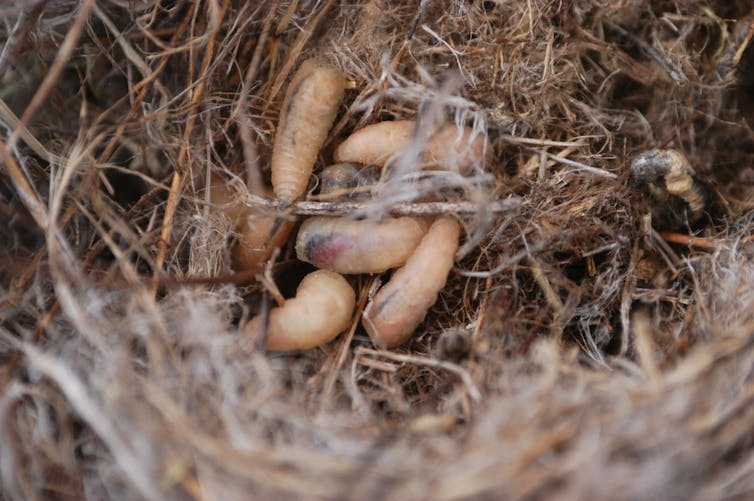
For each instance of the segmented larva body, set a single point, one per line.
(322, 309)
(450, 148)
(400, 306)
(358, 246)
(309, 108)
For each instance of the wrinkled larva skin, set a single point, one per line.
(401, 305)
(450, 148)
(358, 246)
(309, 109)
(322, 309)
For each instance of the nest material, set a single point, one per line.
(580, 348)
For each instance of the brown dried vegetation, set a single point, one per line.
(584, 346)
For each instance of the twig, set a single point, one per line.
(679, 238)
(581, 166)
(25, 190)
(552, 297)
(627, 297)
(308, 208)
(539, 142)
(428, 362)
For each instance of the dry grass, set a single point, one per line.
(586, 344)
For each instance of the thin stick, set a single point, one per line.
(552, 297)
(581, 166)
(25, 190)
(679, 238)
(428, 362)
(539, 142)
(308, 208)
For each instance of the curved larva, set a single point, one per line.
(400, 306)
(358, 246)
(308, 112)
(321, 310)
(450, 148)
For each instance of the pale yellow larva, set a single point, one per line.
(400, 305)
(358, 246)
(322, 309)
(309, 108)
(450, 148)
(678, 174)
(259, 233)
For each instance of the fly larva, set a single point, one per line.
(348, 181)
(260, 233)
(358, 246)
(679, 177)
(454, 149)
(376, 143)
(321, 310)
(308, 112)
(450, 148)
(223, 197)
(401, 305)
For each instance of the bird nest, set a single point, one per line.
(592, 339)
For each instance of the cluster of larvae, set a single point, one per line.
(421, 248)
